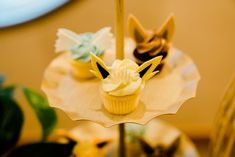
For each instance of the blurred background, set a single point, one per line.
(204, 30)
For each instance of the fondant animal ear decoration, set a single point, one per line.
(146, 70)
(102, 144)
(162, 150)
(147, 148)
(140, 34)
(166, 31)
(136, 30)
(63, 134)
(100, 70)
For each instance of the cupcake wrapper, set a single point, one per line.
(81, 70)
(120, 104)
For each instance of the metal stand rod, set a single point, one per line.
(122, 145)
(120, 55)
(119, 29)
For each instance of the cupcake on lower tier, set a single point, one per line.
(122, 82)
(80, 46)
(151, 43)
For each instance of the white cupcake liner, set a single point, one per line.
(120, 105)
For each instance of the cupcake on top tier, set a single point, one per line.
(151, 43)
(80, 47)
(122, 82)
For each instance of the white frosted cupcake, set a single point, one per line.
(122, 82)
(80, 46)
(121, 89)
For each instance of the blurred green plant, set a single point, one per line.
(12, 119)
(45, 114)
(2, 79)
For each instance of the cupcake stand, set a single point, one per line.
(163, 94)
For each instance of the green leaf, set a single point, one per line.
(44, 150)
(45, 114)
(2, 79)
(11, 120)
(7, 91)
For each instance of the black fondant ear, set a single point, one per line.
(100, 70)
(136, 30)
(171, 150)
(167, 29)
(102, 144)
(146, 70)
(147, 148)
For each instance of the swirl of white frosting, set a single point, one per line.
(123, 79)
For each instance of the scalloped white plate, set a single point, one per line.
(163, 94)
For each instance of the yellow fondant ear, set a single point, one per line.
(100, 70)
(146, 70)
(136, 30)
(167, 29)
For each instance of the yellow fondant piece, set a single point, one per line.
(136, 30)
(140, 34)
(95, 61)
(123, 79)
(167, 29)
(148, 68)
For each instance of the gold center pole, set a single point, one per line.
(120, 55)
(122, 144)
(119, 29)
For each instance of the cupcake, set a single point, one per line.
(151, 43)
(122, 82)
(143, 141)
(80, 47)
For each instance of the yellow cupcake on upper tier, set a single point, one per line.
(122, 82)
(80, 69)
(81, 46)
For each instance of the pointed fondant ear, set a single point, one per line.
(167, 29)
(174, 145)
(102, 144)
(100, 70)
(136, 30)
(147, 148)
(146, 70)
